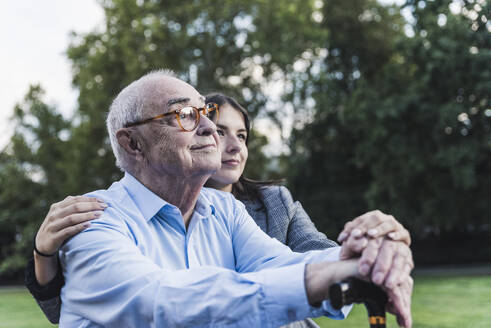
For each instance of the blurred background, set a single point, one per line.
(358, 104)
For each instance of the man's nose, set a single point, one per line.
(206, 127)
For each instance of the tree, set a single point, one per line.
(409, 133)
(326, 175)
(29, 177)
(214, 48)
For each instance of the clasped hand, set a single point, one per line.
(382, 245)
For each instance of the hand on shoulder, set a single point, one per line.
(65, 219)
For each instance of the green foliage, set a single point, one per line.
(29, 177)
(327, 176)
(426, 113)
(409, 133)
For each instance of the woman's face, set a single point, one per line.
(232, 132)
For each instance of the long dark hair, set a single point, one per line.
(244, 188)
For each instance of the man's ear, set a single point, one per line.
(128, 141)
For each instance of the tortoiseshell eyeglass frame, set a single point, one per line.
(209, 108)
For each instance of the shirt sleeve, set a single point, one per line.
(111, 283)
(255, 251)
(48, 296)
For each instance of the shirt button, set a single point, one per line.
(292, 315)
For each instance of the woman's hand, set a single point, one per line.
(375, 224)
(382, 244)
(65, 219)
(385, 260)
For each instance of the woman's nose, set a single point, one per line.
(233, 145)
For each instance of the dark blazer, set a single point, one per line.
(282, 218)
(276, 214)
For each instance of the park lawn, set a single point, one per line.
(18, 309)
(442, 302)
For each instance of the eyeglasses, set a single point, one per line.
(187, 117)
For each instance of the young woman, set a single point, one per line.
(271, 206)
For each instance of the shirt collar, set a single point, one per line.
(147, 202)
(204, 207)
(150, 204)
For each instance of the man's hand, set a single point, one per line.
(400, 302)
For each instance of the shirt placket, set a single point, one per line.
(192, 258)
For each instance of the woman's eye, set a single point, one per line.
(242, 136)
(220, 133)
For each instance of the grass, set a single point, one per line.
(444, 302)
(18, 309)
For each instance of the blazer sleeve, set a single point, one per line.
(47, 297)
(302, 235)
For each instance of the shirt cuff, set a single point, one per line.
(43, 293)
(327, 310)
(285, 298)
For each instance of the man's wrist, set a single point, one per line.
(313, 283)
(320, 276)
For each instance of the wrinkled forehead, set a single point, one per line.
(165, 92)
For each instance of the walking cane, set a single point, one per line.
(353, 290)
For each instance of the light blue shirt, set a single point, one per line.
(138, 266)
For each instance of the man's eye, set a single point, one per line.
(186, 111)
(220, 133)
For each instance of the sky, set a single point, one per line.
(34, 36)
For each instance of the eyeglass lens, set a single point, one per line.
(188, 116)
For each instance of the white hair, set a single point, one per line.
(127, 108)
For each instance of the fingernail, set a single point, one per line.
(364, 269)
(391, 235)
(98, 213)
(389, 283)
(342, 236)
(86, 224)
(378, 278)
(356, 232)
(372, 232)
(103, 205)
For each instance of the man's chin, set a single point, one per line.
(210, 165)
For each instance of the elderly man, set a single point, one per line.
(168, 252)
